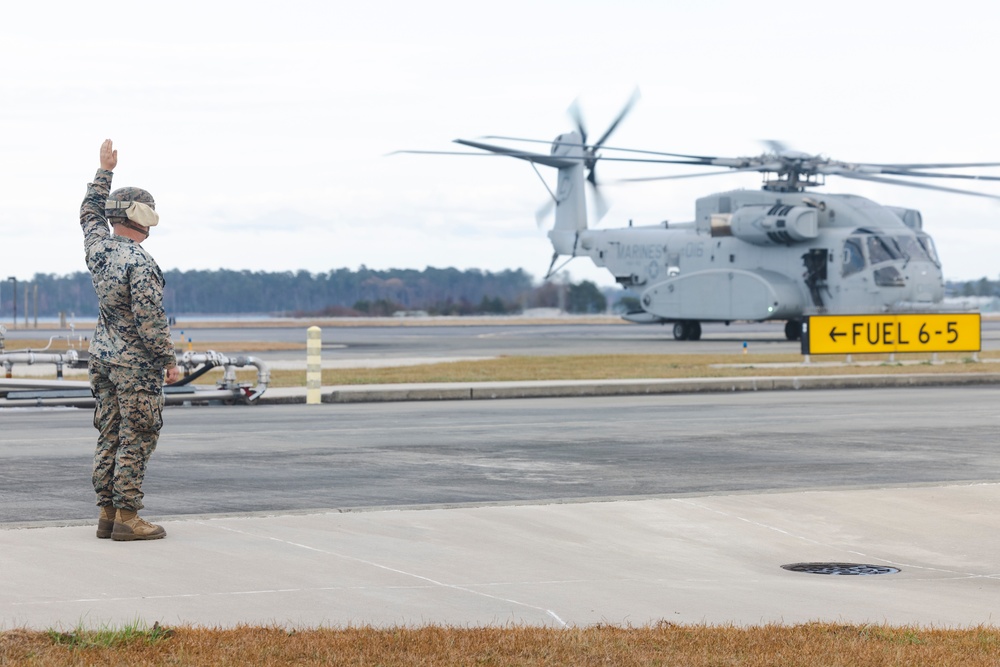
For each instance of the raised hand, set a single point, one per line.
(109, 156)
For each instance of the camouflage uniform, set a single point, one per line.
(129, 351)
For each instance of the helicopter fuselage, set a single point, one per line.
(761, 255)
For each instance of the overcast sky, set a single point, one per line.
(261, 128)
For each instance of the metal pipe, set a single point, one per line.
(227, 389)
(29, 357)
(189, 360)
(69, 340)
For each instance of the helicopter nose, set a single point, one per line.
(925, 284)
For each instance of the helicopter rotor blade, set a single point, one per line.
(633, 98)
(604, 148)
(896, 181)
(577, 116)
(562, 160)
(413, 152)
(543, 212)
(773, 166)
(925, 174)
(601, 204)
(590, 150)
(518, 154)
(932, 165)
(548, 160)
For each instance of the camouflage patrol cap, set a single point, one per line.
(132, 207)
(129, 194)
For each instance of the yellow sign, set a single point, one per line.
(909, 332)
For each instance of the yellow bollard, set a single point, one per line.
(314, 366)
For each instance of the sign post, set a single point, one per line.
(889, 334)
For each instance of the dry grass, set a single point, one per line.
(813, 644)
(629, 366)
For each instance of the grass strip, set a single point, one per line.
(806, 645)
(625, 366)
(619, 366)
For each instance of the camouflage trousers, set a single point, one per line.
(128, 417)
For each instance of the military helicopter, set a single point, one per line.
(778, 253)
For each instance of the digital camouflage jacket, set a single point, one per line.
(132, 328)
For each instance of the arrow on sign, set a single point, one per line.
(834, 334)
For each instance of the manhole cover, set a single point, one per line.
(841, 568)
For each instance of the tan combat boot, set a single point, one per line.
(128, 527)
(106, 522)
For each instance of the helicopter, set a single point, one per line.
(783, 252)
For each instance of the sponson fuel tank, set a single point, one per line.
(724, 294)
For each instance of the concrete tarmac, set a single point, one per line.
(698, 559)
(701, 557)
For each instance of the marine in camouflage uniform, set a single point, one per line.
(130, 349)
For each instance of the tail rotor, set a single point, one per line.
(601, 204)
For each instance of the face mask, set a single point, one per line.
(139, 213)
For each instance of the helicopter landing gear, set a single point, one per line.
(793, 330)
(687, 330)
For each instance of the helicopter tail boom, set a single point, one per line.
(571, 209)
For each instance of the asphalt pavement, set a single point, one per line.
(916, 491)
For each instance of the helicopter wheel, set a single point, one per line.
(687, 330)
(793, 330)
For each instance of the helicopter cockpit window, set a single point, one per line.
(854, 259)
(881, 249)
(911, 249)
(927, 243)
(889, 276)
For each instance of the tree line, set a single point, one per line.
(982, 287)
(343, 292)
(340, 292)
